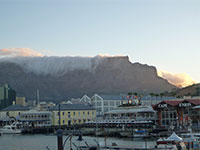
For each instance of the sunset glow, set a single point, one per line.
(177, 79)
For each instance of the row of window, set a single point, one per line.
(75, 121)
(106, 103)
(34, 116)
(74, 113)
(144, 115)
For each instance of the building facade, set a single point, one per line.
(12, 112)
(178, 113)
(71, 114)
(7, 96)
(104, 103)
(21, 101)
(131, 114)
(35, 118)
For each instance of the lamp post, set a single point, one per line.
(61, 145)
(70, 138)
(60, 139)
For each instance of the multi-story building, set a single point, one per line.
(183, 112)
(104, 103)
(7, 96)
(21, 101)
(131, 114)
(36, 118)
(14, 111)
(71, 114)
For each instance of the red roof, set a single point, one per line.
(173, 102)
(176, 102)
(193, 101)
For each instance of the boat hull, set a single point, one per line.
(11, 131)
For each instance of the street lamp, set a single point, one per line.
(70, 139)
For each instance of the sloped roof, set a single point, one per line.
(176, 102)
(174, 137)
(15, 108)
(173, 102)
(72, 107)
(193, 101)
(111, 97)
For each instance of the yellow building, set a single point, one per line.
(14, 111)
(21, 101)
(71, 114)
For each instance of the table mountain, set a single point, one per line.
(61, 78)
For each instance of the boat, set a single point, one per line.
(10, 129)
(141, 134)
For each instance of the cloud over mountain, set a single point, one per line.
(178, 79)
(15, 52)
(67, 77)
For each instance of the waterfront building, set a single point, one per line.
(178, 113)
(86, 99)
(153, 100)
(45, 105)
(104, 103)
(71, 114)
(35, 118)
(130, 114)
(7, 96)
(13, 111)
(21, 101)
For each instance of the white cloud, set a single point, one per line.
(178, 79)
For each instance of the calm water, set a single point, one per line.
(39, 142)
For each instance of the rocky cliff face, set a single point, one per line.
(103, 75)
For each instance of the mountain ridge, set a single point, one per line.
(107, 75)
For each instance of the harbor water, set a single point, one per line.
(49, 142)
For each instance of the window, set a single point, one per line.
(79, 113)
(93, 113)
(98, 104)
(74, 113)
(63, 113)
(105, 103)
(112, 103)
(98, 109)
(63, 121)
(83, 113)
(106, 109)
(88, 113)
(117, 103)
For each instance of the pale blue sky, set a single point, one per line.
(162, 33)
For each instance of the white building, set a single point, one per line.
(104, 103)
(131, 114)
(36, 118)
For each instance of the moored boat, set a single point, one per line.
(10, 129)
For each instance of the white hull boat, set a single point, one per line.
(10, 130)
